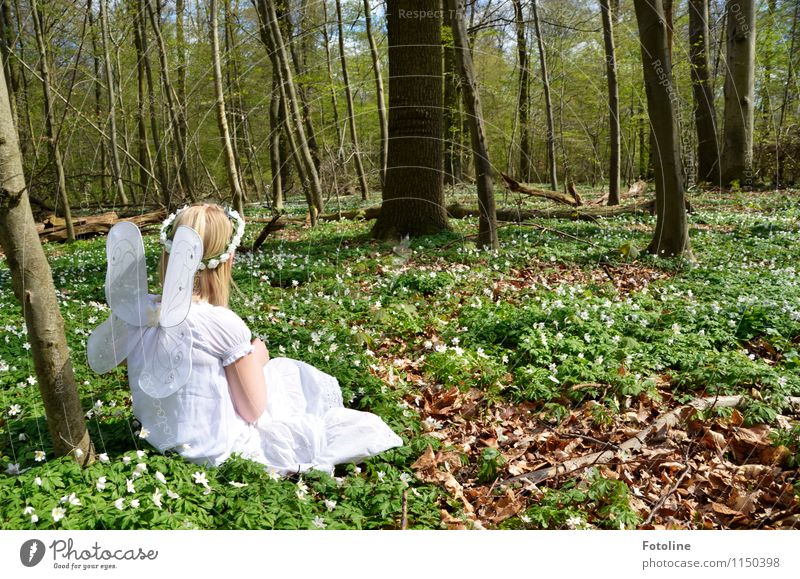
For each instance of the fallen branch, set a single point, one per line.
(517, 187)
(639, 440)
(636, 189)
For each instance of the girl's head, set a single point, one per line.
(216, 230)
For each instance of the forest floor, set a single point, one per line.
(489, 364)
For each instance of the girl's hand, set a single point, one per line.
(261, 352)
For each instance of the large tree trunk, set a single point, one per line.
(351, 117)
(293, 112)
(413, 198)
(613, 103)
(222, 118)
(487, 224)
(737, 153)
(671, 235)
(523, 97)
(548, 103)
(33, 286)
(50, 115)
(705, 117)
(380, 95)
(116, 168)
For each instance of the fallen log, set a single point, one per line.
(639, 440)
(636, 189)
(517, 187)
(55, 229)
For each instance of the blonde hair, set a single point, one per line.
(215, 229)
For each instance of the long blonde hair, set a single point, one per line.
(215, 229)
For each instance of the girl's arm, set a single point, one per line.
(246, 382)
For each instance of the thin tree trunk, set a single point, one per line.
(142, 144)
(351, 116)
(326, 41)
(548, 103)
(737, 153)
(671, 236)
(6, 51)
(523, 97)
(105, 181)
(453, 123)
(32, 281)
(49, 113)
(380, 95)
(26, 140)
(222, 120)
(287, 84)
(276, 129)
(180, 83)
(161, 154)
(176, 114)
(705, 117)
(613, 103)
(116, 170)
(787, 96)
(487, 232)
(413, 197)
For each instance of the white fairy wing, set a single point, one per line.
(126, 276)
(110, 343)
(184, 257)
(168, 360)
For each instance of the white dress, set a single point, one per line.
(304, 426)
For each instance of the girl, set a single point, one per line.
(280, 412)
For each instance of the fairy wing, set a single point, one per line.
(126, 276)
(167, 354)
(110, 343)
(184, 257)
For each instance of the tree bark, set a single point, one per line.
(6, 52)
(671, 237)
(116, 169)
(49, 113)
(487, 222)
(737, 153)
(613, 103)
(33, 286)
(548, 103)
(276, 129)
(222, 119)
(380, 95)
(351, 117)
(523, 96)
(413, 197)
(705, 117)
(453, 123)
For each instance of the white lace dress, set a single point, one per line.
(304, 426)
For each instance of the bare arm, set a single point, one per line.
(246, 382)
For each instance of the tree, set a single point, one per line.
(116, 171)
(351, 117)
(737, 152)
(487, 225)
(380, 96)
(548, 103)
(222, 119)
(50, 117)
(523, 98)
(32, 280)
(671, 237)
(613, 102)
(413, 196)
(704, 113)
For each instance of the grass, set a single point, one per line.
(545, 320)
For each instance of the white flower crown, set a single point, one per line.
(213, 262)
